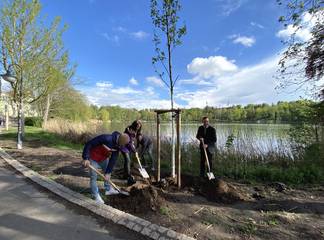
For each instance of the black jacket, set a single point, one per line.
(209, 135)
(145, 142)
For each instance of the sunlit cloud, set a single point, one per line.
(254, 24)
(155, 81)
(112, 38)
(303, 31)
(229, 6)
(211, 66)
(244, 40)
(133, 81)
(140, 35)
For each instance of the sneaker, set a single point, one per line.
(111, 191)
(99, 200)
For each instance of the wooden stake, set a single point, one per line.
(178, 155)
(158, 148)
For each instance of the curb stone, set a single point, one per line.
(119, 217)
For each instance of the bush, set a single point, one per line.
(33, 121)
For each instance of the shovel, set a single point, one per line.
(210, 175)
(112, 184)
(141, 169)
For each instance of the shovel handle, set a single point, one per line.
(206, 156)
(101, 175)
(138, 160)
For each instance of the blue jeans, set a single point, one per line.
(93, 176)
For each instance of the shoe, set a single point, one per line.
(131, 181)
(99, 200)
(111, 191)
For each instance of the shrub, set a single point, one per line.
(33, 121)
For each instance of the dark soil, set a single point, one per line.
(142, 198)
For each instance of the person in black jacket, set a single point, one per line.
(145, 146)
(208, 134)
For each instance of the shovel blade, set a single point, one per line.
(143, 173)
(124, 193)
(210, 175)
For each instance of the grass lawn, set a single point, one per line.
(47, 139)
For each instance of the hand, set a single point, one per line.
(206, 146)
(86, 163)
(107, 177)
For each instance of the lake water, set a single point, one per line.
(248, 138)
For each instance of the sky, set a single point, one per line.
(229, 55)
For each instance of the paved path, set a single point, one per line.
(28, 212)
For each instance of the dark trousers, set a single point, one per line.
(146, 156)
(127, 164)
(203, 161)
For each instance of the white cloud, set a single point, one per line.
(155, 81)
(125, 97)
(244, 40)
(254, 24)
(120, 29)
(303, 32)
(251, 84)
(113, 38)
(133, 81)
(150, 91)
(229, 6)
(125, 90)
(139, 35)
(212, 66)
(104, 84)
(195, 81)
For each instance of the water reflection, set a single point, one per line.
(262, 138)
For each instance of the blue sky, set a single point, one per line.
(229, 55)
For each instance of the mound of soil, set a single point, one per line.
(218, 190)
(143, 198)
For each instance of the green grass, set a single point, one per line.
(164, 210)
(45, 138)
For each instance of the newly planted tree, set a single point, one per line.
(167, 36)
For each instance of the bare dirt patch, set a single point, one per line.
(221, 209)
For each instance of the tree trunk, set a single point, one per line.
(45, 116)
(172, 139)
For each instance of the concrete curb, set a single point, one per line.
(127, 220)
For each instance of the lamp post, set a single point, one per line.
(9, 77)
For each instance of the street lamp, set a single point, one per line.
(9, 77)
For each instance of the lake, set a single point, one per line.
(248, 138)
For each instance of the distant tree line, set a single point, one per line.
(290, 112)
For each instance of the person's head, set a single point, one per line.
(123, 139)
(205, 121)
(136, 125)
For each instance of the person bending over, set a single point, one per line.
(102, 152)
